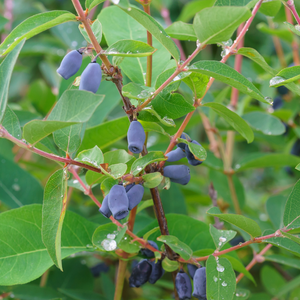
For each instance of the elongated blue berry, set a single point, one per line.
(192, 269)
(200, 284)
(175, 155)
(184, 180)
(277, 103)
(91, 78)
(157, 271)
(105, 211)
(185, 137)
(118, 202)
(135, 195)
(140, 273)
(129, 186)
(176, 171)
(148, 252)
(190, 156)
(70, 64)
(136, 137)
(183, 285)
(99, 268)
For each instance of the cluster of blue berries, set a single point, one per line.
(120, 200)
(146, 270)
(184, 286)
(90, 77)
(181, 173)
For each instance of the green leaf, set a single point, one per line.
(197, 83)
(288, 261)
(117, 156)
(248, 3)
(130, 48)
(271, 280)
(177, 246)
(90, 4)
(117, 170)
(291, 237)
(171, 105)
(137, 91)
(29, 259)
(292, 208)
(107, 184)
(165, 120)
(221, 237)
(93, 157)
(265, 123)
(186, 229)
(282, 33)
(54, 210)
(32, 292)
(152, 180)
(97, 30)
(210, 32)
(154, 28)
(270, 8)
(241, 294)
(181, 31)
(170, 265)
(292, 28)
(239, 221)
(128, 28)
(17, 186)
(105, 134)
(80, 294)
(141, 163)
(198, 151)
(6, 70)
(144, 204)
(11, 123)
(36, 130)
(220, 279)
(233, 119)
(127, 245)
(229, 76)
(285, 76)
(257, 58)
(3, 22)
(264, 160)
(151, 126)
(191, 8)
(289, 286)
(104, 237)
(34, 25)
(150, 232)
(275, 208)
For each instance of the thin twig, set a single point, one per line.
(213, 194)
(291, 6)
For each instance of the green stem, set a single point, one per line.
(120, 279)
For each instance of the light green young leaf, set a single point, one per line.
(291, 217)
(177, 246)
(130, 48)
(241, 222)
(282, 33)
(154, 28)
(170, 265)
(137, 91)
(248, 3)
(285, 76)
(54, 210)
(150, 232)
(198, 151)
(11, 123)
(141, 163)
(233, 119)
(270, 8)
(90, 4)
(182, 31)
(221, 237)
(92, 156)
(229, 76)
(197, 83)
(151, 112)
(210, 32)
(152, 126)
(152, 180)
(292, 28)
(6, 69)
(265, 123)
(220, 279)
(97, 30)
(33, 26)
(30, 259)
(117, 170)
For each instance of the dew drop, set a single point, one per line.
(269, 100)
(276, 80)
(16, 187)
(220, 268)
(115, 1)
(111, 236)
(75, 181)
(224, 283)
(215, 279)
(228, 43)
(198, 44)
(222, 239)
(129, 9)
(109, 245)
(225, 52)
(297, 27)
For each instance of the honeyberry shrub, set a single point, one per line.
(162, 163)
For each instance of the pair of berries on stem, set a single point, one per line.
(91, 76)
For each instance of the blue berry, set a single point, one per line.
(282, 90)
(136, 137)
(184, 180)
(175, 155)
(129, 186)
(105, 211)
(140, 273)
(135, 195)
(118, 202)
(277, 103)
(200, 284)
(99, 268)
(190, 156)
(148, 253)
(157, 271)
(183, 285)
(70, 64)
(91, 78)
(176, 171)
(185, 137)
(296, 148)
(192, 269)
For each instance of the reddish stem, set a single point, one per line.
(291, 6)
